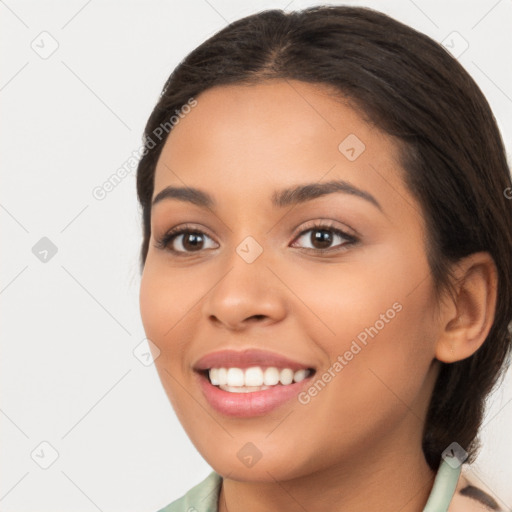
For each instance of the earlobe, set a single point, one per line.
(467, 317)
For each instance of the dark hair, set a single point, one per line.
(451, 152)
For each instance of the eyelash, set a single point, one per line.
(164, 241)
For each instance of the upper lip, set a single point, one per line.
(245, 359)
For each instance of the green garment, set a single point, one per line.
(204, 497)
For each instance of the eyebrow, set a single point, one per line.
(477, 494)
(280, 198)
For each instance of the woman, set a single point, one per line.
(326, 267)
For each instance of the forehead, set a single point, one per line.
(249, 137)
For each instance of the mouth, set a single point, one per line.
(237, 392)
(254, 378)
(250, 382)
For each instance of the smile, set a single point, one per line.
(255, 378)
(250, 382)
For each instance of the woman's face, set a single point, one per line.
(250, 274)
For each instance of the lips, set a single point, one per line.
(249, 402)
(246, 359)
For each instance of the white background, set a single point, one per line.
(69, 325)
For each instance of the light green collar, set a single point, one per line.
(204, 496)
(444, 487)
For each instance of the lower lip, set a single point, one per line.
(246, 405)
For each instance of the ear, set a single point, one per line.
(467, 317)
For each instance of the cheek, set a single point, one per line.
(165, 298)
(153, 296)
(161, 302)
(164, 305)
(377, 317)
(352, 296)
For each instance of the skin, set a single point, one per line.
(356, 446)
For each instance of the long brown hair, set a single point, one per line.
(451, 152)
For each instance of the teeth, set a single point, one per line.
(254, 378)
(244, 389)
(235, 377)
(222, 376)
(214, 376)
(218, 376)
(271, 376)
(300, 375)
(286, 376)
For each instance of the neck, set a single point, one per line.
(395, 480)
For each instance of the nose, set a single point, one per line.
(248, 293)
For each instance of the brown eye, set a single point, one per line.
(186, 241)
(322, 238)
(192, 241)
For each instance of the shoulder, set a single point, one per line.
(203, 497)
